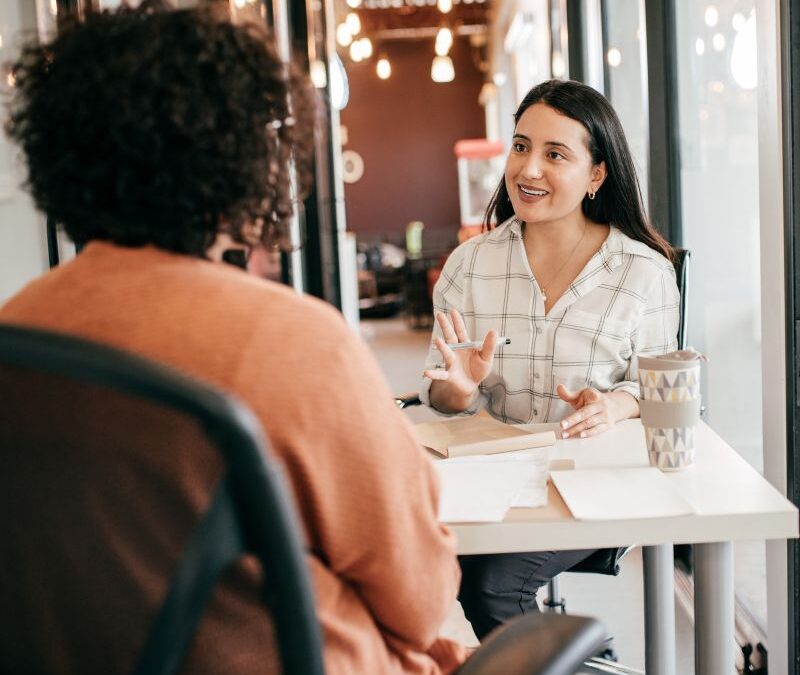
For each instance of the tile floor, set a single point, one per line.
(616, 601)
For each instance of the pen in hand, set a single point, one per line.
(501, 341)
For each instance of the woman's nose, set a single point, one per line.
(532, 168)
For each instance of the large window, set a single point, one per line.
(718, 114)
(626, 72)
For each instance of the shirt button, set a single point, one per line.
(538, 330)
(536, 375)
(535, 412)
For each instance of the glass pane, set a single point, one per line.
(719, 179)
(626, 59)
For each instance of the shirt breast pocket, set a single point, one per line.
(591, 347)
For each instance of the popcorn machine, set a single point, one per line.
(480, 168)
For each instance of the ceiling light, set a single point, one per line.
(343, 35)
(384, 68)
(614, 57)
(738, 21)
(366, 47)
(444, 40)
(718, 41)
(444, 5)
(442, 69)
(353, 23)
(711, 16)
(356, 53)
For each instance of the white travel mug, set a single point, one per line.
(670, 406)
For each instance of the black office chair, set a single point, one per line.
(68, 406)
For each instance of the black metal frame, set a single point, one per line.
(664, 158)
(252, 497)
(576, 38)
(320, 245)
(790, 70)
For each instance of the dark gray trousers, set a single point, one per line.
(498, 587)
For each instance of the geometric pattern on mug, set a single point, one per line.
(672, 448)
(671, 439)
(673, 386)
(671, 461)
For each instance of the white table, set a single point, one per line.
(731, 501)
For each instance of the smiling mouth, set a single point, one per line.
(531, 192)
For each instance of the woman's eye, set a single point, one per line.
(555, 155)
(519, 147)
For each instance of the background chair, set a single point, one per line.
(115, 470)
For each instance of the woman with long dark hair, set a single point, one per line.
(570, 270)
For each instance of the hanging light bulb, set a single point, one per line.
(366, 47)
(354, 3)
(384, 68)
(444, 40)
(343, 35)
(353, 23)
(355, 51)
(442, 69)
(444, 5)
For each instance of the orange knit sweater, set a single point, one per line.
(384, 570)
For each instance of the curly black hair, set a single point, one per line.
(164, 127)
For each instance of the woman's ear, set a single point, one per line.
(599, 174)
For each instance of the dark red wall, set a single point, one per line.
(404, 128)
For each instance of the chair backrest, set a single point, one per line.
(681, 263)
(114, 473)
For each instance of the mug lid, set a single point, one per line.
(682, 358)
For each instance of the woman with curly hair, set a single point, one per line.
(150, 136)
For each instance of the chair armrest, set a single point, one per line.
(537, 644)
(407, 400)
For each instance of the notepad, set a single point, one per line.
(618, 494)
(480, 492)
(479, 435)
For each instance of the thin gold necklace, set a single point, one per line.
(543, 288)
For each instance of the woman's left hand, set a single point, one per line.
(595, 411)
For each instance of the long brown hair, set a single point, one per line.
(619, 200)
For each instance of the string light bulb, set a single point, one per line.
(444, 40)
(354, 3)
(343, 35)
(442, 69)
(383, 68)
(366, 47)
(353, 23)
(444, 5)
(356, 54)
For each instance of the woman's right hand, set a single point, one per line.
(455, 386)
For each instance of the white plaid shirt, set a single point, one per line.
(623, 303)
